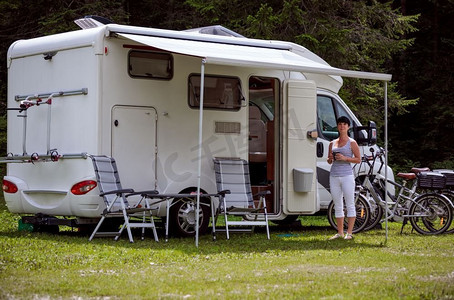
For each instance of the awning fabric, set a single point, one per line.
(248, 56)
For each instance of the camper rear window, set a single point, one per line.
(151, 65)
(219, 92)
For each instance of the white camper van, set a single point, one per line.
(134, 93)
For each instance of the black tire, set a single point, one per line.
(331, 216)
(431, 214)
(182, 220)
(375, 216)
(376, 211)
(362, 215)
(450, 195)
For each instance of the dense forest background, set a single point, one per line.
(412, 40)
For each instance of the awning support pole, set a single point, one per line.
(386, 158)
(199, 172)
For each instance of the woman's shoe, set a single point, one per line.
(348, 236)
(336, 236)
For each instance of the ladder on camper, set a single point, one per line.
(35, 100)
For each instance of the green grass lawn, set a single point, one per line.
(298, 263)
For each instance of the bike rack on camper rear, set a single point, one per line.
(27, 101)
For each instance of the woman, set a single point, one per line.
(342, 152)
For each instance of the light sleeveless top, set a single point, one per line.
(340, 167)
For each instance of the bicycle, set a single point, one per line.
(362, 214)
(428, 212)
(448, 190)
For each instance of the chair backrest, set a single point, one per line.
(107, 176)
(233, 174)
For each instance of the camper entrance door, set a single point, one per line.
(134, 145)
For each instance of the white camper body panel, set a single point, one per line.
(74, 128)
(177, 123)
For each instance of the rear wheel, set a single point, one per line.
(430, 214)
(183, 217)
(362, 215)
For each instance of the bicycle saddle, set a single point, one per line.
(408, 176)
(419, 170)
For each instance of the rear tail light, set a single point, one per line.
(9, 187)
(83, 187)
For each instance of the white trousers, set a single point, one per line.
(343, 187)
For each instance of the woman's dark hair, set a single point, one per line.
(343, 119)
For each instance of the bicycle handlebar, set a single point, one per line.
(371, 159)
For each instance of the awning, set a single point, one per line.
(248, 56)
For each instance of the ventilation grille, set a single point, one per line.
(227, 127)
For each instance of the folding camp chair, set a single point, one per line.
(234, 190)
(117, 205)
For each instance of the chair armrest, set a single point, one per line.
(118, 192)
(144, 193)
(223, 193)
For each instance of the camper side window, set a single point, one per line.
(219, 92)
(152, 65)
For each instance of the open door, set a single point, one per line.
(264, 116)
(134, 145)
(299, 152)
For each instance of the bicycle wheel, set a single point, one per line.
(362, 215)
(430, 214)
(330, 215)
(450, 195)
(376, 214)
(445, 215)
(376, 211)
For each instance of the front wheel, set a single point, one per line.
(362, 214)
(430, 214)
(182, 220)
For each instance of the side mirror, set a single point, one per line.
(365, 135)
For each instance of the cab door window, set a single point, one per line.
(328, 110)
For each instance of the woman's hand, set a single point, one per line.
(330, 153)
(344, 158)
(330, 158)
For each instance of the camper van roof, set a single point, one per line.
(214, 49)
